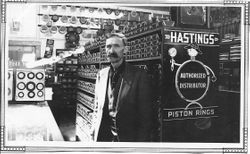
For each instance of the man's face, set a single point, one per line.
(114, 49)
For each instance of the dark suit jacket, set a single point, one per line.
(134, 104)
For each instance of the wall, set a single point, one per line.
(24, 16)
(22, 24)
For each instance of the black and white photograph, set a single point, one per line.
(124, 76)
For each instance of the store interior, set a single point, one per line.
(51, 86)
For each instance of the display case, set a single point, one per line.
(32, 122)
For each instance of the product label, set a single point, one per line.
(187, 37)
(190, 113)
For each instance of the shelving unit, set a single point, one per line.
(87, 71)
(229, 59)
(66, 71)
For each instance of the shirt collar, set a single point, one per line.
(120, 69)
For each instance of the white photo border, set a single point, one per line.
(128, 147)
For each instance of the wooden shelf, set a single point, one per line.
(231, 41)
(230, 91)
(86, 118)
(85, 90)
(93, 48)
(85, 104)
(81, 134)
(64, 64)
(104, 62)
(128, 60)
(91, 63)
(92, 78)
(144, 59)
(145, 33)
(130, 37)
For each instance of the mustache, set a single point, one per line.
(113, 55)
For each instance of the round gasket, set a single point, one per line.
(64, 7)
(40, 93)
(46, 18)
(54, 7)
(20, 94)
(31, 75)
(21, 86)
(109, 11)
(55, 18)
(39, 86)
(30, 86)
(83, 20)
(64, 19)
(79, 30)
(44, 29)
(31, 94)
(39, 75)
(73, 20)
(62, 30)
(53, 29)
(21, 75)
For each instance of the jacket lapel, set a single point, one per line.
(103, 86)
(125, 86)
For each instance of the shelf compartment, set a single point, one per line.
(86, 100)
(84, 112)
(86, 86)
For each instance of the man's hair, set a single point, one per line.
(120, 35)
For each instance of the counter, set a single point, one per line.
(32, 121)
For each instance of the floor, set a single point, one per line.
(65, 116)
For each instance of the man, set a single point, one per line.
(123, 98)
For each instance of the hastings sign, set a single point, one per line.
(186, 37)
